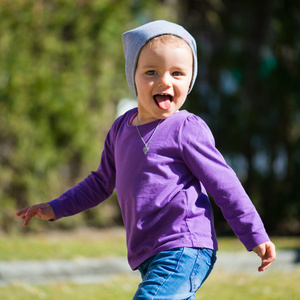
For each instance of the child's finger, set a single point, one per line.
(267, 256)
(31, 212)
(27, 220)
(22, 211)
(264, 266)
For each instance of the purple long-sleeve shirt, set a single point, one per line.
(162, 195)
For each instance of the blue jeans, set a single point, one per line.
(175, 274)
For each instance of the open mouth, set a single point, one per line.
(164, 101)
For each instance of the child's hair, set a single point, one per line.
(168, 39)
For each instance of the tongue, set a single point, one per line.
(163, 101)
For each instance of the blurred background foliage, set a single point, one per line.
(248, 92)
(62, 77)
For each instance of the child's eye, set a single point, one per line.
(151, 72)
(177, 73)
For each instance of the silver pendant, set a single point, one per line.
(145, 149)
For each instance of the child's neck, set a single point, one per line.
(134, 120)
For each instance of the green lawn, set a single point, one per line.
(270, 286)
(93, 244)
(63, 245)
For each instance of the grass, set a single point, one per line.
(282, 243)
(118, 288)
(94, 244)
(63, 245)
(269, 286)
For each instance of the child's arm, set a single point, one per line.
(267, 253)
(209, 166)
(40, 211)
(91, 191)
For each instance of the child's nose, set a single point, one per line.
(165, 80)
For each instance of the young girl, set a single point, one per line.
(162, 162)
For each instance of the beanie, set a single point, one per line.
(135, 39)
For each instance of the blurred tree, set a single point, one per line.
(61, 76)
(248, 92)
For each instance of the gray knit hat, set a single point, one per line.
(135, 39)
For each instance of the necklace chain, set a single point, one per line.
(146, 148)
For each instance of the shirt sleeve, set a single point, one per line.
(208, 165)
(94, 189)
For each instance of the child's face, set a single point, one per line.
(163, 77)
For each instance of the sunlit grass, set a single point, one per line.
(282, 243)
(120, 287)
(104, 243)
(94, 244)
(266, 286)
(220, 285)
(63, 245)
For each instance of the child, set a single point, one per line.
(162, 162)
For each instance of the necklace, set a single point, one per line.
(146, 148)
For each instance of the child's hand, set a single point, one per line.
(267, 253)
(40, 211)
